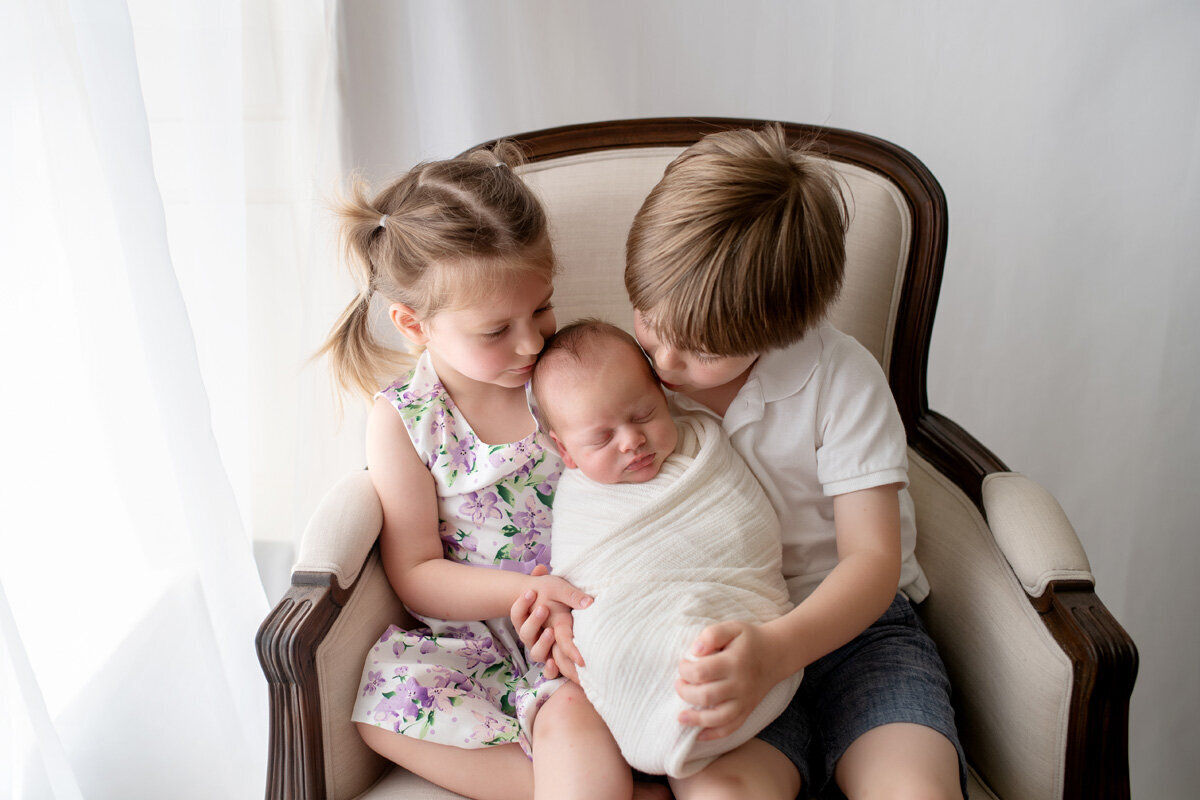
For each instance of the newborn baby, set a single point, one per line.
(662, 522)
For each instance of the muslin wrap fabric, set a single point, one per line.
(697, 544)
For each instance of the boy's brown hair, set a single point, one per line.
(740, 248)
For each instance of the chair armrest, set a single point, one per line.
(342, 530)
(1033, 532)
(1020, 659)
(311, 652)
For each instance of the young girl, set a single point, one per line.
(732, 262)
(458, 250)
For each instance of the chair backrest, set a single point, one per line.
(593, 178)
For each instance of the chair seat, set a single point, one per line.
(403, 785)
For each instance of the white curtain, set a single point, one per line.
(159, 161)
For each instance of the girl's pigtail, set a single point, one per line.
(358, 360)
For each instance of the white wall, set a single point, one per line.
(1067, 139)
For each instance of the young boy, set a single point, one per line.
(663, 524)
(732, 263)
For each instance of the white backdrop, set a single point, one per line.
(1067, 139)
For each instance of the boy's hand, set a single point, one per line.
(726, 676)
(542, 617)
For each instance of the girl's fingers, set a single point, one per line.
(564, 640)
(540, 651)
(531, 628)
(519, 612)
(550, 670)
(567, 670)
(568, 595)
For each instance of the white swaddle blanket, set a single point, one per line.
(697, 544)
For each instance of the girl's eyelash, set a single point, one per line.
(545, 308)
(705, 359)
(495, 334)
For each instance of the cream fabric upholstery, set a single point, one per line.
(1033, 532)
(351, 509)
(350, 767)
(1012, 682)
(398, 784)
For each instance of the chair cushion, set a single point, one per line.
(1033, 532)
(401, 785)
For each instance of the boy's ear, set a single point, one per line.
(568, 462)
(407, 322)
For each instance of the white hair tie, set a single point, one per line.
(383, 220)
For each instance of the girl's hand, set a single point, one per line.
(542, 617)
(727, 675)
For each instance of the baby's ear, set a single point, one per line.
(568, 462)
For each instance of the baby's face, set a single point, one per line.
(611, 420)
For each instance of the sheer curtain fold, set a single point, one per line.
(129, 588)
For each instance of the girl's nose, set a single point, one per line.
(531, 341)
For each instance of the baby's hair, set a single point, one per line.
(740, 248)
(443, 235)
(573, 344)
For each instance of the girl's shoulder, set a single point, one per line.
(416, 390)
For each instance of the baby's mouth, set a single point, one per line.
(641, 462)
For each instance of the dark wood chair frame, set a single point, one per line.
(1103, 655)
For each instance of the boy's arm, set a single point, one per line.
(737, 663)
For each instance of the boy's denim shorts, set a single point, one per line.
(890, 673)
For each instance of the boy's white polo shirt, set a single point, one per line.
(815, 420)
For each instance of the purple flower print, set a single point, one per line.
(535, 515)
(374, 682)
(389, 710)
(461, 455)
(478, 653)
(412, 697)
(491, 727)
(438, 423)
(460, 631)
(547, 486)
(526, 552)
(480, 507)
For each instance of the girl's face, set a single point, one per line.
(496, 341)
(686, 371)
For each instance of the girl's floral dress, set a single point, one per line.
(466, 684)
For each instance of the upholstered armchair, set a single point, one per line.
(1042, 672)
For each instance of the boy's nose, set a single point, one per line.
(666, 357)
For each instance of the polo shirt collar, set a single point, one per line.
(784, 372)
(775, 375)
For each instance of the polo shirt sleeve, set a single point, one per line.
(860, 437)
